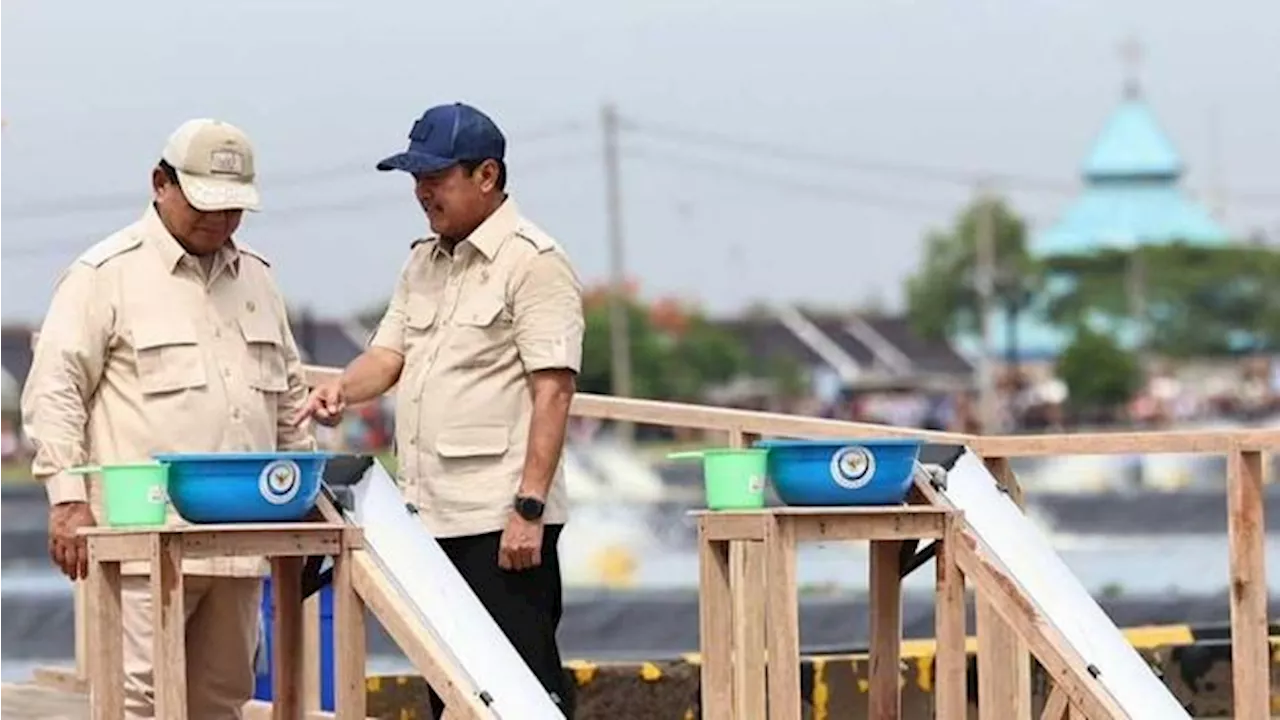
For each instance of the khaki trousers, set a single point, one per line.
(222, 635)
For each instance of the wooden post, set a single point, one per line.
(169, 627)
(106, 647)
(950, 683)
(348, 634)
(1004, 663)
(784, 620)
(884, 701)
(286, 656)
(715, 626)
(746, 578)
(1250, 651)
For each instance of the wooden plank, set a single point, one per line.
(82, 631)
(734, 526)
(1250, 651)
(726, 420)
(715, 625)
(349, 639)
(421, 647)
(896, 526)
(1004, 667)
(885, 701)
(1056, 706)
(229, 529)
(286, 655)
(311, 652)
(783, 621)
(224, 542)
(106, 641)
(950, 659)
(747, 579)
(1063, 665)
(169, 627)
(38, 701)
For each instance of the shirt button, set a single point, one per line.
(217, 333)
(235, 413)
(226, 372)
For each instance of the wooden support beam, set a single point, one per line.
(1060, 661)
(1004, 667)
(1250, 650)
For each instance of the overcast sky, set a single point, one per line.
(325, 88)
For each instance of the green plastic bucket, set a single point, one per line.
(734, 477)
(133, 494)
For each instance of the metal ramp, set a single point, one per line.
(411, 587)
(1011, 563)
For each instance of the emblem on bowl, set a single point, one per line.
(279, 481)
(852, 467)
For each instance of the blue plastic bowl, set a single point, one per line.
(244, 487)
(841, 472)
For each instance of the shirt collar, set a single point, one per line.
(490, 234)
(171, 251)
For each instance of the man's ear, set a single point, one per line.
(158, 182)
(489, 175)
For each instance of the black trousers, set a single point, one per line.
(527, 606)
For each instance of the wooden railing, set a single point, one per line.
(1004, 659)
(1006, 662)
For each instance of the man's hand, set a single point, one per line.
(326, 404)
(69, 551)
(521, 547)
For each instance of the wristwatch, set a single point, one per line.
(529, 508)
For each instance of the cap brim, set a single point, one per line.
(211, 194)
(416, 162)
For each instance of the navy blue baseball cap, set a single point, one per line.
(446, 135)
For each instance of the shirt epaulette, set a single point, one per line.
(536, 236)
(113, 246)
(254, 253)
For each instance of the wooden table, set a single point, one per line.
(286, 545)
(748, 604)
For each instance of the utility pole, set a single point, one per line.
(985, 280)
(619, 331)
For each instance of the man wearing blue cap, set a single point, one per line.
(483, 339)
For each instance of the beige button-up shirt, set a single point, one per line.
(145, 350)
(471, 325)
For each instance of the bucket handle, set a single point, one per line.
(686, 455)
(84, 470)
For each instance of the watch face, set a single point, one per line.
(529, 508)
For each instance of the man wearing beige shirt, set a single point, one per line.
(169, 336)
(483, 335)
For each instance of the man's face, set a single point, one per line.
(455, 199)
(201, 233)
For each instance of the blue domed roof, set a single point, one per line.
(1132, 145)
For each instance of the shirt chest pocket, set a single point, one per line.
(265, 368)
(483, 331)
(168, 355)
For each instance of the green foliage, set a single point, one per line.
(1098, 372)
(664, 367)
(1199, 301)
(942, 297)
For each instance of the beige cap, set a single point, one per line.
(214, 161)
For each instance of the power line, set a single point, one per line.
(968, 178)
(100, 202)
(823, 191)
(63, 245)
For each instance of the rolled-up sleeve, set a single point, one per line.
(288, 435)
(67, 365)
(547, 314)
(390, 331)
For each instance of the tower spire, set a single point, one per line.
(1131, 52)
